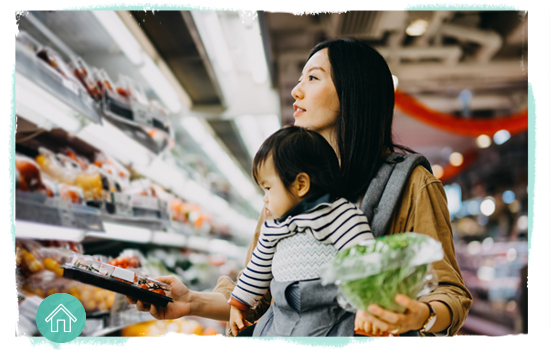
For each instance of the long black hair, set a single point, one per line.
(297, 150)
(363, 128)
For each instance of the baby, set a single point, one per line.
(298, 171)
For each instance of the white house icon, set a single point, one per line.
(66, 317)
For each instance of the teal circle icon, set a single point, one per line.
(60, 317)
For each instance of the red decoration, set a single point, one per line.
(515, 123)
(450, 171)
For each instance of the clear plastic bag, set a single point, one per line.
(375, 271)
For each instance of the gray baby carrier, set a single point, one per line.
(300, 305)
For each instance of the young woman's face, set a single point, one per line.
(278, 201)
(317, 105)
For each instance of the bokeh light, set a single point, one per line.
(456, 159)
(483, 141)
(488, 206)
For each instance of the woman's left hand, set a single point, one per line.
(380, 322)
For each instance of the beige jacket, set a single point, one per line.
(423, 209)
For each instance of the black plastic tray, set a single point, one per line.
(101, 281)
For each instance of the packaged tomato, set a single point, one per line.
(71, 193)
(80, 160)
(51, 187)
(83, 73)
(119, 173)
(49, 164)
(153, 285)
(30, 177)
(128, 259)
(132, 90)
(54, 60)
(102, 80)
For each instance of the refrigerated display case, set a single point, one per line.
(95, 175)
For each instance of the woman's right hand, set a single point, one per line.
(181, 306)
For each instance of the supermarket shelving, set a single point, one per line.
(106, 137)
(49, 101)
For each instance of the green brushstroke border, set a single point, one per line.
(309, 341)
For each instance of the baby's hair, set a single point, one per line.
(297, 150)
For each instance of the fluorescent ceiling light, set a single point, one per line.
(214, 41)
(417, 27)
(213, 38)
(132, 49)
(121, 35)
(225, 164)
(255, 129)
(160, 84)
(256, 56)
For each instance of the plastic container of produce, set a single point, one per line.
(124, 281)
(83, 73)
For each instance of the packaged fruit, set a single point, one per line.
(51, 166)
(51, 188)
(120, 174)
(91, 183)
(93, 299)
(30, 177)
(54, 60)
(51, 57)
(71, 193)
(80, 160)
(102, 80)
(128, 259)
(131, 90)
(83, 73)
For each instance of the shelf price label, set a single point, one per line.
(66, 214)
(141, 114)
(122, 202)
(145, 202)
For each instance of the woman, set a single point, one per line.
(346, 94)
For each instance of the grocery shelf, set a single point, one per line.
(169, 239)
(47, 98)
(123, 233)
(131, 234)
(33, 230)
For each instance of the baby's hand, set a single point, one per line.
(237, 321)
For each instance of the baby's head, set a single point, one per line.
(293, 163)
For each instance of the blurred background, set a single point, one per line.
(136, 132)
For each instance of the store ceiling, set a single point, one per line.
(482, 51)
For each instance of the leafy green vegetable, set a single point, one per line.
(376, 272)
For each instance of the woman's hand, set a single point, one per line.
(181, 306)
(380, 322)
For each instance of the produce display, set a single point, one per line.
(375, 271)
(182, 325)
(45, 167)
(40, 274)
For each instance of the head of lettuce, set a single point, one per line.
(375, 271)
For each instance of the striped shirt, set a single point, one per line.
(339, 223)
